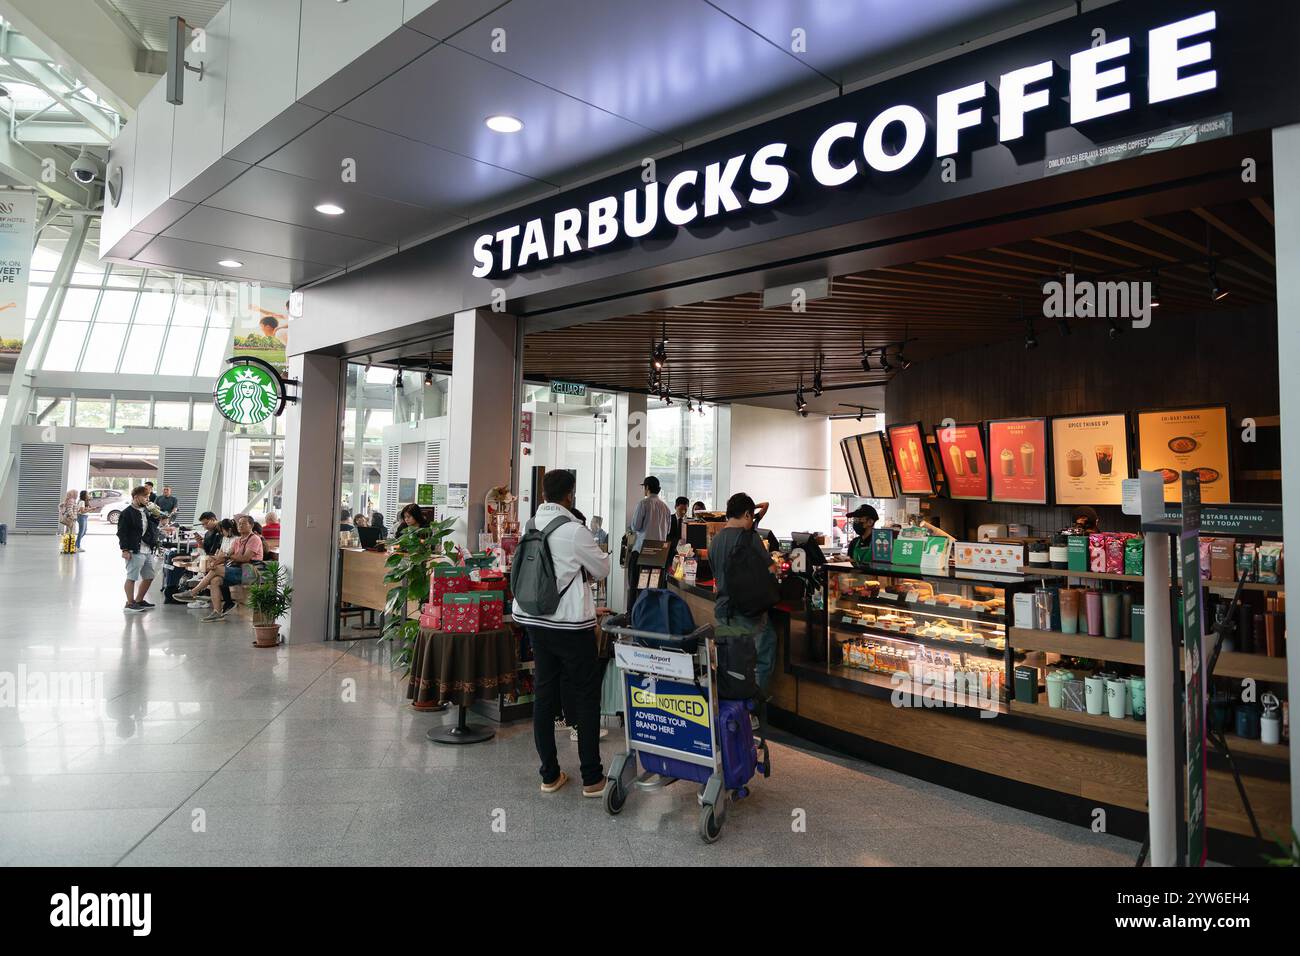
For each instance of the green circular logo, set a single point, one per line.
(247, 394)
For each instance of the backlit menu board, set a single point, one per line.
(961, 452)
(1090, 458)
(911, 463)
(873, 454)
(1174, 440)
(1018, 460)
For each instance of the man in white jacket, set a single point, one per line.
(564, 643)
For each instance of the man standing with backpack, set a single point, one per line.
(554, 604)
(744, 583)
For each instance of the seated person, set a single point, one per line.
(361, 521)
(377, 521)
(271, 525)
(220, 544)
(345, 519)
(246, 551)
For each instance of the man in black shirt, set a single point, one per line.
(137, 536)
(740, 523)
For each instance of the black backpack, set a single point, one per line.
(532, 572)
(751, 586)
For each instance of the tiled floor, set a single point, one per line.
(190, 747)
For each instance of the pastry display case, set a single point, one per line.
(940, 630)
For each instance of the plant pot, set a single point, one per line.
(268, 635)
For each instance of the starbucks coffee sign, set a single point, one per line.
(250, 391)
(1116, 74)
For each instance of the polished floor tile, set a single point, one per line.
(151, 739)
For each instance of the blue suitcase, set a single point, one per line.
(739, 752)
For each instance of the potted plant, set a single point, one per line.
(408, 570)
(269, 598)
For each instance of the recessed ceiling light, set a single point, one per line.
(329, 209)
(504, 124)
(230, 264)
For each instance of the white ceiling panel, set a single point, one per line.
(443, 98)
(393, 166)
(274, 195)
(268, 237)
(198, 258)
(664, 65)
(149, 17)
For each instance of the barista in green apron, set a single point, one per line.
(864, 518)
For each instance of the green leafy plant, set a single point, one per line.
(1290, 853)
(271, 595)
(408, 570)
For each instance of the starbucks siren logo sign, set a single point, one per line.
(249, 394)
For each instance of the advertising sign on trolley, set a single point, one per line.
(669, 714)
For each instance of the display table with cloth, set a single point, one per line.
(461, 668)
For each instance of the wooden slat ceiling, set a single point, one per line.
(729, 348)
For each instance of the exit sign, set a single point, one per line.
(568, 388)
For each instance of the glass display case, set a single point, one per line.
(890, 626)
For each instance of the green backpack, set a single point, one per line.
(532, 573)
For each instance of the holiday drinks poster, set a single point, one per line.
(961, 449)
(1090, 459)
(908, 447)
(1018, 460)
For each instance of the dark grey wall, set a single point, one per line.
(1222, 356)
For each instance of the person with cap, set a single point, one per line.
(649, 523)
(864, 518)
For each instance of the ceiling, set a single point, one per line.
(147, 19)
(732, 349)
(597, 85)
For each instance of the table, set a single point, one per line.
(461, 668)
(361, 582)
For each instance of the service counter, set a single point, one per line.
(833, 686)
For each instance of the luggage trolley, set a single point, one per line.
(675, 721)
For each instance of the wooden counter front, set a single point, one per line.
(1093, 772)
(362, 580)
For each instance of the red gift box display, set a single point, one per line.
(431, 616)
(492, 609)
(460, 613)
(447, 579)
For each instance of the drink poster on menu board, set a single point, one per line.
(1175, 440)
(873, 454)
(911, 462)
(1018, 460)
(1090, 458)
(961, 451)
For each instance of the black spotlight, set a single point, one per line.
(903, 361)
(1155, 287)
(1031, 340)
(399, 379)
(1217, 292)
(866, 361)
(1115, 330)
(428, 377)
(884, 361)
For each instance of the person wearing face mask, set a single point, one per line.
(864, 518)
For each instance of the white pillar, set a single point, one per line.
(309, 534)
(1163, 814)
(481, 411)
(1286, 200)
(631, 430)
